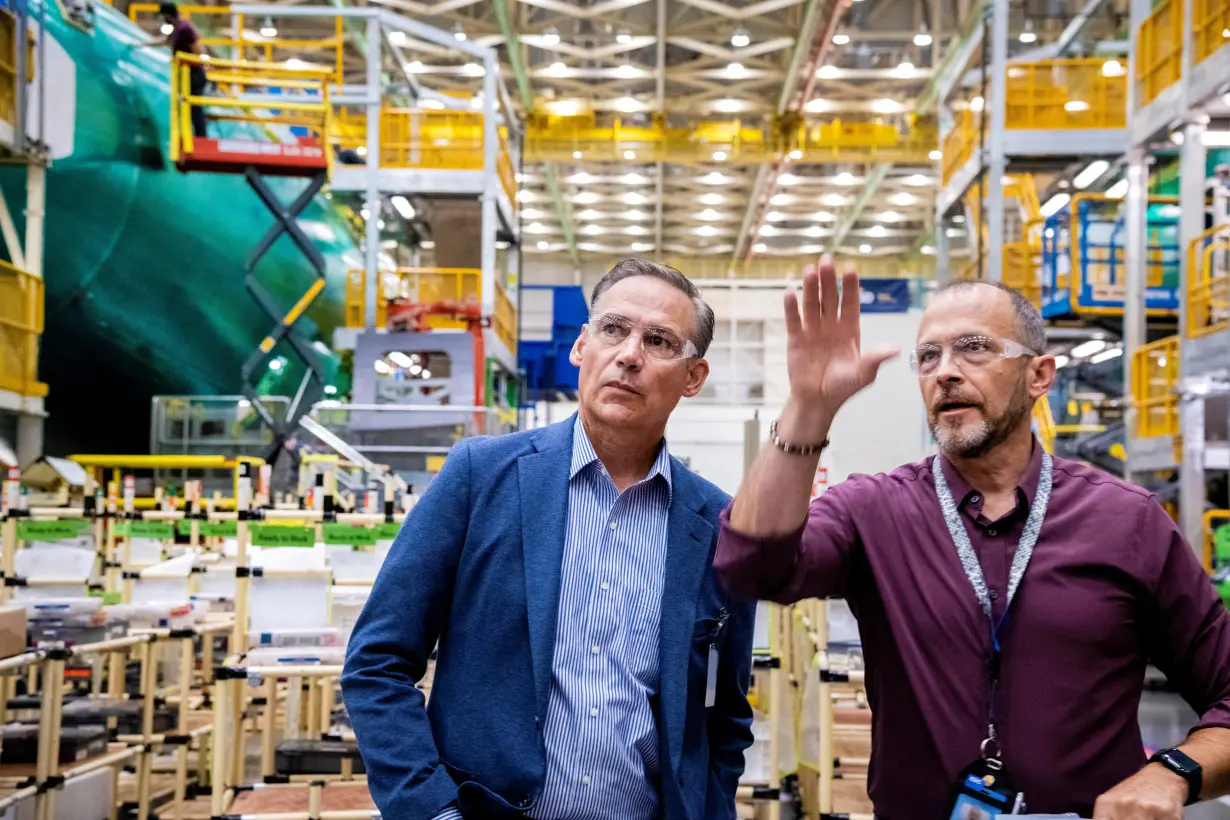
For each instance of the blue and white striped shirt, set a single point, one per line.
(601, 739)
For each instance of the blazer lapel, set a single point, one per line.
(689, 539)
(543, 481)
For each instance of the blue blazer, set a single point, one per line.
(476, 566)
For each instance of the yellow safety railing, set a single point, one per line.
(308, 106)
(1155, 375)
(1210, 27)
(1212, 520)
(8, 64)
(1064, 95)
(1159, 59)
(21, 324)
(559, 139)
(248, 45)
(1208, 285)
(959, 143)
(436, 139)
(430, 286)
(1044, 420)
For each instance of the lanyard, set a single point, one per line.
(973, 571)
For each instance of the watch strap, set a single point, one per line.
(1186, 768)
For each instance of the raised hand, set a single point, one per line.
(823, 355)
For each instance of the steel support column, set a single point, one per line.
(371, 256)
(1192, 493)
(1191, 469)
(1135, 204)
(996, 163)
(491, 155)
(1192, 159)
(943, 261)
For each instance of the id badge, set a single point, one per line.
(983, 792)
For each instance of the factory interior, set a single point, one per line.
(232, 360)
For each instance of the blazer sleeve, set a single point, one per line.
(730, 718)
(392, 642)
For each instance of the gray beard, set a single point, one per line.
(978, 439)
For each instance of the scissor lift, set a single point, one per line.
(279, 125)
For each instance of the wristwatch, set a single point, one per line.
(1184, 767)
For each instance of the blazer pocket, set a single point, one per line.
(459, 775)
(709, 630)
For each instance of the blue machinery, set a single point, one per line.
(1089, 236)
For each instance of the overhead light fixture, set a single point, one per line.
(1092, 173)
(1027, 34)
(759, 247)
(958, 219)
(886, 106)
(1107, 355)
(626, 70)
(708, 214)
(550, 37)
(400, 359)
(1075, 106)
(845, 178)
(935, 155)
(633, 198)
(458, 34)
(927, 250)
(557, 67)
(740, 38)
(623, 38)
(629, 155)
(923, 37)
(473, 69)
(1215, 139)
(834, 200)
(781, 199)
(1118, 190)
(796, 154)
(977, 104)
(1088, 348)
(735, 69)
(917, 180)
(1113, 68)
(788, 179)
(713, 178)
(827, 72)
(712, 199)
(891, 216)
(775, 216)
(878, 231)
(380, 366)
(577, 155)
(593, 230)
(841, 39)
(864, 248)
(641, 247)
(414, 65)
(1176, 136)
(1053, 205)
(635, 214)
(397, 38)
(1061, 361)
(903, 199)
(565, 108)
(905, 67)
(634, 179)
(729, 105)
(628, 105)
(269, 29)
(719, 156)
(403, 206)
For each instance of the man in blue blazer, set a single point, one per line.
(589, 665)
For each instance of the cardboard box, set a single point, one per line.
(12, 631)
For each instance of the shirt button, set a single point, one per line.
(992, 532)
(605, 585)
(585, 780)
(974, 499)
(594, 649)
(593, 712)
(613, 525)
(993, 594)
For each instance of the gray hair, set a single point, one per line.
(643, 267)
(1030, 328)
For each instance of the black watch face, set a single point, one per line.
(1180, 762)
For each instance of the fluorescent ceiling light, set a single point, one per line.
(827, 72)
(1113, 68)
(796, 154)
(628, 105)
(712, 199)
(759, 247)
(864, 248)
(935, 155)
(633, 198)
(775, 216)
(403, 207)
(1107, 355)
(905, 67)
(623, 38)
(729, 105)
(834, 200)
(846, 178)
(735, 69)
(719, 156)
(1075, 106)
(550, 37)
(586, 198)
(878, 231)
(1053, 205)
(917, 180)
(740, 38)
(1092, 173)
(927, 250)
(634, 179)
(903, 198)
(788, 179)
(1088, 348)
(977, 104)
(1061, 361)
(1118, 190)
(542, 246)
(641, 247)
(781, 199)
(707, 230)
(1215, 139)
(841, 38)
(400, 359)
(922, 38)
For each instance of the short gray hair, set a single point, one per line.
(1030, 328)
(643, 267)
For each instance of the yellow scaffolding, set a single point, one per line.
(1160, 60)
(1208, 288)
(1155, 377)
(21, 325)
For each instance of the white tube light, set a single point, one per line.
(1088, 348)
(403, 207)
(1093, 171)
(1118, 190)
(1107, 355)
(1053, 205)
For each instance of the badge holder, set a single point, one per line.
(983, 790)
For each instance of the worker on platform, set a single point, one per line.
(1008, 601)
(589, 666)
(184, 38)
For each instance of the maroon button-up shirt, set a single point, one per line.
(1112, 586)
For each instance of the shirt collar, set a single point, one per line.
(961, 490)
(583, 455)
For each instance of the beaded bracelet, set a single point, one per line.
(794, 449)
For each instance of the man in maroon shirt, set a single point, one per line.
(183, 37)
(1110, 584)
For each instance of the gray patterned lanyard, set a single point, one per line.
(973, 570)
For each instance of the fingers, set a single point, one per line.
(811, 300)
(790, 306)
(828, 289)
(870, 361)
(850, 300)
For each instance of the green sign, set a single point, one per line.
(387, 532)
(51, 530)
(150, 529)
(211, 529)
(272, 535)
(109, 598)
(1221, 542)
(350, 534)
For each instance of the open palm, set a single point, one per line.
(823, 354)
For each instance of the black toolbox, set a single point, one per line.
(122, 715)
(20, 743)
(316, 756)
